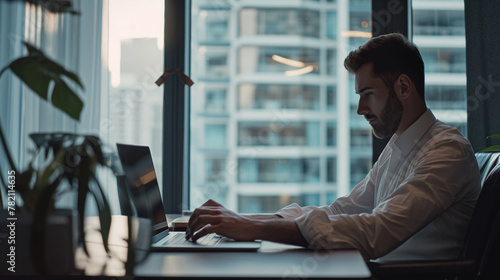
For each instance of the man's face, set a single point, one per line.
(379, 105)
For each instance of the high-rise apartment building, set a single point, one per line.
(273, 112)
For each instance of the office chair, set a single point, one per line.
(480, 257)
(486, 162)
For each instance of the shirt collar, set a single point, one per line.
(411, 136)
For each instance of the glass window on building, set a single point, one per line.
(331, 134)
(215, 101)
(446, 97)
(273, 21)
(215, 171)
(284, 170)
(359, 136)
(216, 66)
(331, 98)
(331, 25)
(331, 173)
(444, 60)
(265, 203)
(439, 31)
(439, 22)
(276, 134)
(215, 136)
(360, 167)
(213, 26)
(331, 58)
(278, 96)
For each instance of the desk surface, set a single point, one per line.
(272, 261)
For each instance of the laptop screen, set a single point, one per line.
(137, 164)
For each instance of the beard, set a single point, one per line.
(388, 123)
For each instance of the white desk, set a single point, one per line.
(272, 261)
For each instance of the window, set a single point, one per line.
(265, 103)
(135, 104)
(439, 31)
(258, 96)
(271, 96)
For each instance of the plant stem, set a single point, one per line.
(6, 149)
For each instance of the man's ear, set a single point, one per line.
(403, 86)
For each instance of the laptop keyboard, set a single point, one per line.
(179, 239)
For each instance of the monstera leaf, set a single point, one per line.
(37, 71)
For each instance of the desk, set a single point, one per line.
(272, 261)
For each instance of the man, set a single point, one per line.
(417, 200)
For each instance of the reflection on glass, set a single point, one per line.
(260, 59)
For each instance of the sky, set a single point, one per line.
(132, 19)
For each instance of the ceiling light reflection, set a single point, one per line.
(288, 61)
(300, 71)
(358, 34)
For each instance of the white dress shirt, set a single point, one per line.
(415, 203)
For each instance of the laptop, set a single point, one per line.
(138, 167)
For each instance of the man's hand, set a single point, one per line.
(212, 217)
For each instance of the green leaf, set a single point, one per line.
(496, 136)
(495, 148)
(104, 212)
(83, 190)
(37, 71)
(31, 72)
(67, 100)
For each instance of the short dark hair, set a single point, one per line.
(392, 55)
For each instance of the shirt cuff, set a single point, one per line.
(291, 211)
(316, 228)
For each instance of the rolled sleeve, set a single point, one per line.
(426, 196)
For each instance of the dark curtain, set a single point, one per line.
(483, 71)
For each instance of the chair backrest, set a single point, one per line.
(486, 217)
(486, 162)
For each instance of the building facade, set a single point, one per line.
(273, 113)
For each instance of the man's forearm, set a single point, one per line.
(280, 230)
(263, 217)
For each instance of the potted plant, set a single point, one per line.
(61, 163)
(67, 160)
